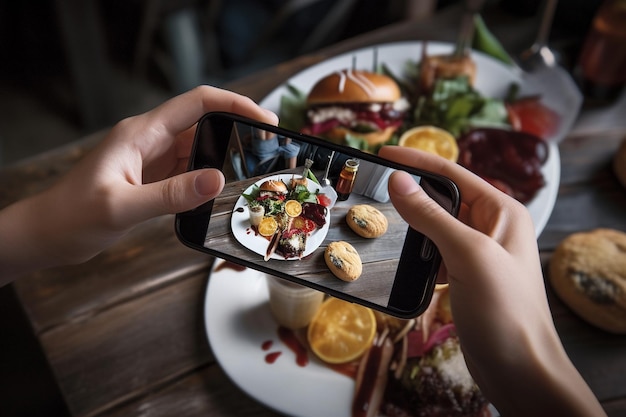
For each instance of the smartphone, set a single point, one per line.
(399, 268)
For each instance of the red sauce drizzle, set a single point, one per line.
(267, 345)
(289, 338)
(272, 356)
(230, 265)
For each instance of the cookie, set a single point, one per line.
(619, 163)
(343, 261)
(588, 273)
(366, 221)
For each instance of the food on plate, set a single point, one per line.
(271, 195)
(437, 91)
(445, 66)
(267, 226)
(286, 216)
(372, 373)
(274, 188)
(509, 160)
(366, 221)
(293, 208)
(256, 214)
(315, 212)
(531, 115)
(431, 139)
(426, 372)
(343, 261)
(359, 108)
(588, 273)
(340, 331)
(619, 163)
(454, 105)
(292, 243)
(438, 384)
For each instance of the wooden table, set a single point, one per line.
(124, 334)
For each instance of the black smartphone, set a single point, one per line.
(289, 240)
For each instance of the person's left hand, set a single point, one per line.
(136, 173)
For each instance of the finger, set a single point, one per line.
(451, 236)
(176, 194)
(183, 111)
(472, 186)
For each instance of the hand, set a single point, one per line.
(137, 172)
(497, 292)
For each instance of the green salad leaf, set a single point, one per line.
(456, 106)
(292, 112)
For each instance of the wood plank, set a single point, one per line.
(125, 351)
(148, 257)
(590, 195)
(206, 392)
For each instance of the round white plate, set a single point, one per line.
(493, 79)
(237, 316)
(240, 223)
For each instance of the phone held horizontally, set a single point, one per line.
(345, 239)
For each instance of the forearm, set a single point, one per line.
(21, 247)
(541, 383)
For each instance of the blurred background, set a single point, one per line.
(71, 67)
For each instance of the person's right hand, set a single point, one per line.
(497, 291)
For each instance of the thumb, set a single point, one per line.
(426, 216)
(176, 194)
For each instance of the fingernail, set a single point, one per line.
(207, 182)
(271, 115)
(403, 184)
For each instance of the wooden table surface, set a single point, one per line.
(124, 332)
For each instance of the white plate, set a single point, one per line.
(492, 79)
(238, 324)
(240, 223)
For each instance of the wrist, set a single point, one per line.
(539, 381)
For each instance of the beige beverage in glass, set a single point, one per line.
(292, 305)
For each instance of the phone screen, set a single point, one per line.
(288, 197)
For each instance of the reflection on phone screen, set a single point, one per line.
(256, 156)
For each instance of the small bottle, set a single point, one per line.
(601, 68)
(346, 179)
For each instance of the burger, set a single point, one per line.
(272, 195)
(356, 108)
(273, 188)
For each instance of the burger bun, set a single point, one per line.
(338, 135)
(274, 186)
(353, 86)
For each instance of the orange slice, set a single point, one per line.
(340, 331)
(431, 139)
(293, 208)
(267, 226)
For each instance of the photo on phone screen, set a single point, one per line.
(287, 197)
